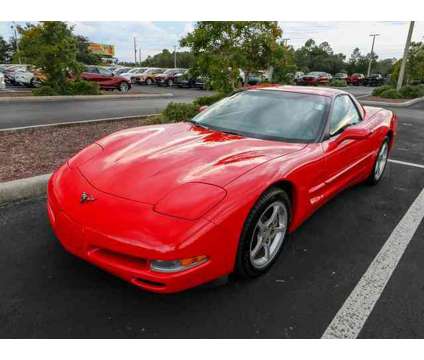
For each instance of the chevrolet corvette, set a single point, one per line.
(171, 206)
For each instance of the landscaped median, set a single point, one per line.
(28, 156)
(389, 96)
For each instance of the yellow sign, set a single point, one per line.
(102, 49)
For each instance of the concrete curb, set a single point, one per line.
(18, 99)
(384, 103)
(23, 188)
(81, 122)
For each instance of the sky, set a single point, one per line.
(152, 37)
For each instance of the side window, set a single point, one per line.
(344, 114)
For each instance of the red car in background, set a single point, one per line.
(168, 77)
(171, 206)
(356, 79)
(105, 79)
(314, 78)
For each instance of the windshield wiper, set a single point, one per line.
(198, 124)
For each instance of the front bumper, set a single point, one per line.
(123, 236)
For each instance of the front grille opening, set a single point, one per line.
(141, 282)
(117, 259)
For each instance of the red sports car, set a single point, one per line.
(170, 207)
(105, 79)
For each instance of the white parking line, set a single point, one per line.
(406, 163)
(352, 316)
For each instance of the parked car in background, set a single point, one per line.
(132, 74)
(330, 77)
(168, 77)
(105, 79)
(356, 79)
(11, 71)
(30, 78)
(2, 83)
(185, 80)
(314, 78)
(374, 80)
(148, 76)
(341, 76)
(120, 70)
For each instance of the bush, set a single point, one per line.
(82, 87)
(175, 112)
(411, 91)
(338, 83)
(379, 90)
(390, 94)
(44, 90)
(209, 100)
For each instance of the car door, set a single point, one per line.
(346, 159)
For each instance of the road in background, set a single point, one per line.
(17, 114)
(35, 113)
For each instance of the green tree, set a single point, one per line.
(50, 46)
(4, 51)
(165, 59)
(222, 48)
(84, 55)
(283, 64)
(313, 57)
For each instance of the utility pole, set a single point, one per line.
(175, 56)
(13, 27)
(285, 41)
(135, 51)
(372, 53)
(139, 56)
(405, 56)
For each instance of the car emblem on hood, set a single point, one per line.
(86, 197)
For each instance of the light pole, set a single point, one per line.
(285, 41)
(405, 56)
(175, 56)
(372, 53)
(135, 51)
(13, 27)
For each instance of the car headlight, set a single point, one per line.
(190, 201)
(168, 266)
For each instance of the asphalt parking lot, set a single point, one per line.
(46, 292)
(29, 113)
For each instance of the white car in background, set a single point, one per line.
(27, 78)
(133, 73)
(2, 83)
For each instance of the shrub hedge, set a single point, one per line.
(405, 92)
(76, 87)
(391, 94)
(338, 83)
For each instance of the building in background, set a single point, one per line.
(106, 51)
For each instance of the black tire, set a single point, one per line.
(149, 81)
(123, 87)
(244, 267)
(373, 179)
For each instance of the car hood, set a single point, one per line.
(144, 164)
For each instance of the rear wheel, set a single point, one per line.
(264, 234)
(380, 163)
(149, 81)
(170, 83)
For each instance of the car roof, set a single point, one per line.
(323, 91)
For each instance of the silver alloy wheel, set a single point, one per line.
(170, 83)
(268, 235)
(123, 87)
(381, 161)
(149, 81)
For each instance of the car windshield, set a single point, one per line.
(268, 114)
(121, 71)
(314, 73)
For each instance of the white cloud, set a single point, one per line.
(152, 37)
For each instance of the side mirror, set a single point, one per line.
(203, 108)
(352, 133)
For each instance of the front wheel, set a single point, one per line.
(123, 87)
(170, 83)
(380, 163)
(264, 233)
(149, 81)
